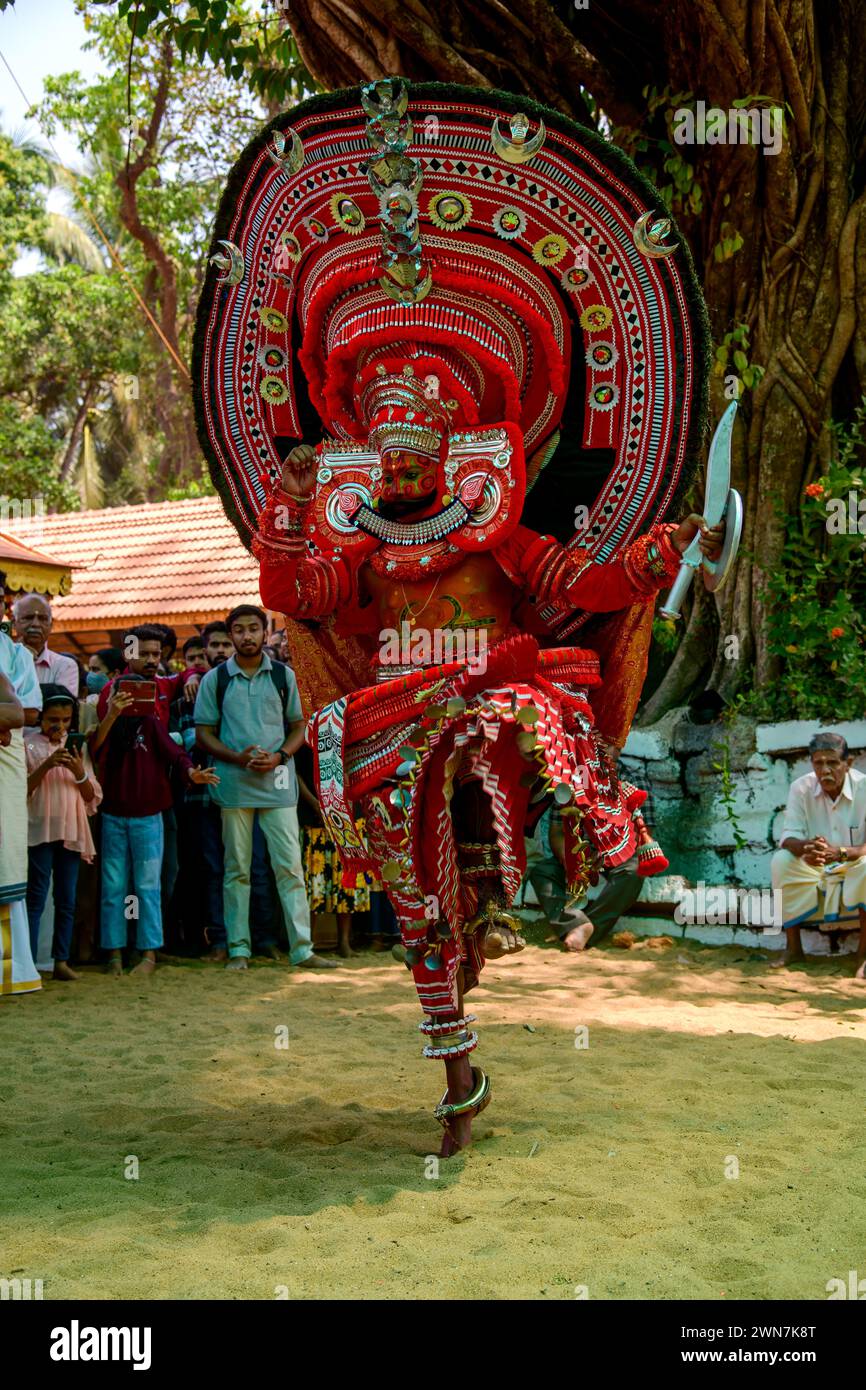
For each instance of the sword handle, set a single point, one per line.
(679, 589)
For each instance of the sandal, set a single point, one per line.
(477, 1100)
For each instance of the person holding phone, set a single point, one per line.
(136, 757)
(62, 794)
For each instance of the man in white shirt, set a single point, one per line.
(20, 696)
(32, 614)
(823, 847)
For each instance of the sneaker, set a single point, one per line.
(317, 963)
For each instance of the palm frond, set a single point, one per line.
(91, 486)
(68, 242)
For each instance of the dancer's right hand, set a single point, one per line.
(299, 471)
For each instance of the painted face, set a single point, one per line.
(408, 481)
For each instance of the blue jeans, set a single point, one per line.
(261, 918)
(131, 844)
(42, 861)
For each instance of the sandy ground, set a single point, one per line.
(269, 1172)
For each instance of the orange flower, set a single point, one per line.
(815, 490)
(836, 632)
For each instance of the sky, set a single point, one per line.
(38, 38)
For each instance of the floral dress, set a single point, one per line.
(323, 875)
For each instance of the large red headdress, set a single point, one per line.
(398, 264)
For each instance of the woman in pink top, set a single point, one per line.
(62, 793)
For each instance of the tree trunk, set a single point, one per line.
(798, 283)
(172, 406)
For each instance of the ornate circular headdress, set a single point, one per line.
(392, 258)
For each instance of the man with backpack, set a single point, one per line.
(248, 718)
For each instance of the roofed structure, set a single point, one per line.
(179, 563)
(26, 568)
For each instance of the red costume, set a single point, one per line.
(449, 341)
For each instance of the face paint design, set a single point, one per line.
(407, 479)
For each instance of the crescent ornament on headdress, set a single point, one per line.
(649, 235)
(232, 263)
(407, 293)
(289, 159)
(517, 150)
(388, 96)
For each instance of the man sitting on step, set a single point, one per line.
(823, 847)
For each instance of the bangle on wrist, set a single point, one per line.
(79, 781)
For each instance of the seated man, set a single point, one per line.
(823, 846)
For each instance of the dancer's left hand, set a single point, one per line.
(712, 537)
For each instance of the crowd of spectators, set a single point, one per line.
(162, 803)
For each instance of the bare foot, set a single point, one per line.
(788, 958)
(345, 950)
(317, 963)
(114, 966)
(461, 1130)
(500, 940)
(458, 1135)
(269, 953)
(860, 972)
(237, 963)
(217, 956)
(63, 971)
(145, 966)
(578, 936)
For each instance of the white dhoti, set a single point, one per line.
(831, 895)
(18, 974)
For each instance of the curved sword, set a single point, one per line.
(715, 505)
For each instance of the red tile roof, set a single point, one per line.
(175, 562)
(13, 549)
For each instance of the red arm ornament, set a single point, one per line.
(291, 579)
(551, 573)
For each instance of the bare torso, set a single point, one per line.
(474, 594)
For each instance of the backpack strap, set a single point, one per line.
(281, 685)
(222, 685)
